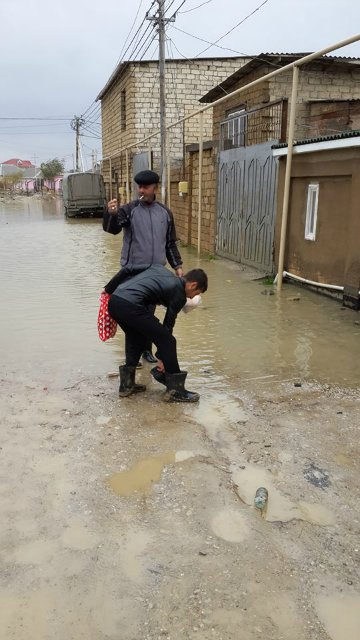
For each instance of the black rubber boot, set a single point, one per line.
(175, 389)
(148, 356)
(127, 382)
(159, 376)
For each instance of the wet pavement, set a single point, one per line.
(133, 519)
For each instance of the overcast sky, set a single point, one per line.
(55, 58)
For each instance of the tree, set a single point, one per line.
(11, 180)
(51, 169)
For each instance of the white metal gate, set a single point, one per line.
(246, 205)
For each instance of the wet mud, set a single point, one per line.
(132, 519)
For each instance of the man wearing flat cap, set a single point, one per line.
(149, 230)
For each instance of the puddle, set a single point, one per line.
(340, 615)
(230, 525)
(146, 472)
(103, 420)
(279, 508)
(343, 459)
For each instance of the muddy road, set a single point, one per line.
(132, 519)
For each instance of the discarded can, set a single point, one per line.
(261, 498)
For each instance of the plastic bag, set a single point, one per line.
(107, 326)
(191, 303)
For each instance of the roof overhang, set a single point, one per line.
(324, 145)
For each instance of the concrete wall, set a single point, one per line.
(334, 256)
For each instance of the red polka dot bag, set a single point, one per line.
(106, 324)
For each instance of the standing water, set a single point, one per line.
(53, 270)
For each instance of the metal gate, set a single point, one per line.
(246, 205)
(140, 163)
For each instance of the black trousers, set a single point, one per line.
(141, 326)
(148, 345)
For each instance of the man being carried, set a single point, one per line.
(129, 306)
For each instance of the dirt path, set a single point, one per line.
(186, 556)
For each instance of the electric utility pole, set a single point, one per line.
(161, 21)
(76, 124)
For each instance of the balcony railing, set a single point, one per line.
(255, 126)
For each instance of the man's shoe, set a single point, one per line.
(175, 389)
(127, 382)
(148, 356)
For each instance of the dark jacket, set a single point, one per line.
(144, 285)
(149, 233)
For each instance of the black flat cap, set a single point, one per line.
(147, 177)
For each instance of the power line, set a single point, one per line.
(234, 27)
(202, 75)
(36, 118)
(198, 7)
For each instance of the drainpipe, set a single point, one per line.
(168, 169)
(110, 171)
(201, 146)
(322, 285)
(285, 208)
(127, 175)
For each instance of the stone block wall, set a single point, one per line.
(186, 81)
(185, 208)
(316, 82)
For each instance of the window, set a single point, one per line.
(311, 211)
(237, 122)
(123, 110)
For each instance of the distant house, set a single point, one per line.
(322, 244)
(240, 181)
(20, 164)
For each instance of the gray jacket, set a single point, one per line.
(149, 233)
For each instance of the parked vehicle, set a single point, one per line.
(84, 195)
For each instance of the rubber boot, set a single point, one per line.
(148, 356)
(127, 382)
(175, 389)
(159, 376)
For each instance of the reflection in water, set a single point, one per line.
(53, 270)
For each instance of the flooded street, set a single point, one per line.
(132, 519)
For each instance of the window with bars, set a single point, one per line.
(311, 211)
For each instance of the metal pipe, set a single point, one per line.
(168, 169)
(127, 175)
(201, 146)
(287, 181)
(322, 285)
(110, 169)
(149, 156)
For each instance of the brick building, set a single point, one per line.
(328, 102)
(130, 105)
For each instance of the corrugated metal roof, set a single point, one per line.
(274, 59)
(335, 136)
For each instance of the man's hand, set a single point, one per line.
(112, 207)
(179, 272)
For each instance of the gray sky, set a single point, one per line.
(56, 57)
